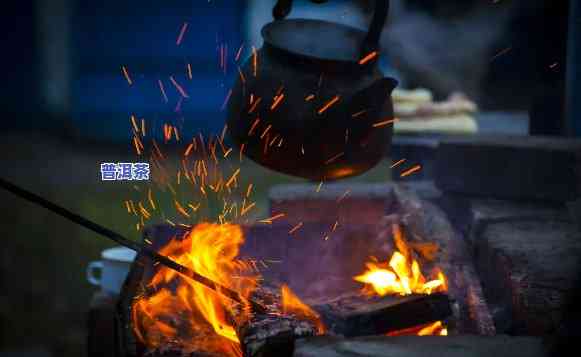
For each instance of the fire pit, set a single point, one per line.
(325, 273)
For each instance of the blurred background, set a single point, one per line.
(66, 104)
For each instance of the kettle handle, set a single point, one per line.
(371, 41)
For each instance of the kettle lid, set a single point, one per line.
(315, 39)
(323, 40)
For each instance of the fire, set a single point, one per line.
(291, 304)
(434, 329)
(211, 250)
(402, 275)
(398, 277)
(437, 328)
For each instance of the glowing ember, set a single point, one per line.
(291, 304)
(434, 329)
(437, 328)
(211, 250)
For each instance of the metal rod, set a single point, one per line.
(138, 247)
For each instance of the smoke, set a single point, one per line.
(444, 54)
(439, 52)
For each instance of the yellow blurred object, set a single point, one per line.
(418, 113)
(412, 96)
(459, 124)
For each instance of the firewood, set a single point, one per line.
(358, 315)
(272, 333)
(177, 351)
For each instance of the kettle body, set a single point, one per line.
(312, 102)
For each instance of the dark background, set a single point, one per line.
(66, 106)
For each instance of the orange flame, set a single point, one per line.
(435, 328)
(402, 275)
(291, 304)
(211, 250)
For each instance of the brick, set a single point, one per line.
(362, 203)
(510, 167)
(527, 268)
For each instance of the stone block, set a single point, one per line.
(510, 167)
(527, 268)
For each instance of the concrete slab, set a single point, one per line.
(425, 346)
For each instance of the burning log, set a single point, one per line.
(274, 333)
(177, 351)
(170, 317)
(359, 315)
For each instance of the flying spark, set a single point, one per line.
(343, 196)
(368, 58)
(397, 163)
(277, 101)
(239, 52)
(162, 89)
(135, 128)
(266, 131)
(329, 104)
(254, 105)
(319, 187)
(178, 87)
(126, 74)
(503, 52)
(269, 220)
(384, 123)
(182, 32)
(189, 67)
(254, 61)
(411, 171)
(189, 149)
(334, 158)
(295, 228)
(227, 99)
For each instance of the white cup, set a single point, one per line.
(110, 272)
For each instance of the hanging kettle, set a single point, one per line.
(312, 102)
